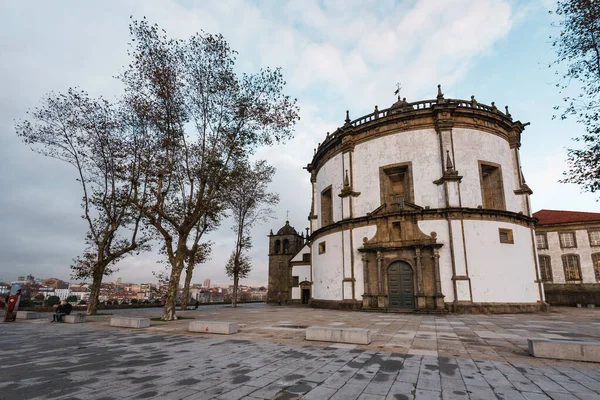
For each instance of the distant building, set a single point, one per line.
(52, 282)
(568, 246)
(283, 246)
(4, 289)
(80, 292)
(62, 290)
(207, 283)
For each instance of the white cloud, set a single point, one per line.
(336, 55)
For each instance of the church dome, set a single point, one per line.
(287, 230)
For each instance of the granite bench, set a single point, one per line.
(30, 315)
(338, 335)
(564, 349)
(74, 318)
(225, 328)
(130, 322)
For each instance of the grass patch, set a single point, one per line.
(159, 319)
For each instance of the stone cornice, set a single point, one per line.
(567, 226)
(457, 213)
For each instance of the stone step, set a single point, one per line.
(338, 335)
(130, 322)
(225, 328)
(74, 318)
(564, 349)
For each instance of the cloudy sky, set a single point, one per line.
(335, 55)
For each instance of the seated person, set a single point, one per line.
(63, 309)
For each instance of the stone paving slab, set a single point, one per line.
(268, 360)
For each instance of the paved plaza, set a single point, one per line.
(412, 356)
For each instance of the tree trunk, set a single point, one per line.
(235, 290)
(171, 296)
(186, 287)
(92, 308)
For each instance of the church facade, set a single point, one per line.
(422, 206)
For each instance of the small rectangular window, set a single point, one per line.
(540, 240)
(594, 238)
(506, 236)
(306, 257)
(296, 281)
(571, 267)
(322, 248)
(395, 182)
(567, 239)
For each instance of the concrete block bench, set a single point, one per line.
(74, 318)
(225, 328)
(338, 335)
(564, 349)
(29, 315)
(129, 322)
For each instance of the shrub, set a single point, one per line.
(52, 300)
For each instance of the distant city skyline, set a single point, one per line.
(206, 282)
(335, 56)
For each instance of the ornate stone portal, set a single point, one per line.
(401, 263)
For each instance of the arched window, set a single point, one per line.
(545, 268)
(572, 267)
(596, 263)
(277, 247)
(286, 246)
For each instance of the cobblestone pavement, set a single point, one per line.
(64, 361)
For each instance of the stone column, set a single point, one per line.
(439, 297)
(419, 271)
(381, 297)
(367, 294)
(379, 277)
(421, 304)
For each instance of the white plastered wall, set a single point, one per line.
(420, 147)
(327, 267)
(441, 228)
(303, 274)
(357, 236)
(331, 173)
(471, 146)
(500, 272)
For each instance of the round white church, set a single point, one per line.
(421, 206)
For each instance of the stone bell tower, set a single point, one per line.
(283, 246)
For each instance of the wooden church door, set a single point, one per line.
(401, 288)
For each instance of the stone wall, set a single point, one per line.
(571, 294)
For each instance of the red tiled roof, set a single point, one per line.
(560, 216)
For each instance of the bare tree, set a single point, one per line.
(578, 49)
(195, 118)
(198, 254)
(89, 135)
(250, 203)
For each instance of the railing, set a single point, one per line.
(402, 107)
(423, 105)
